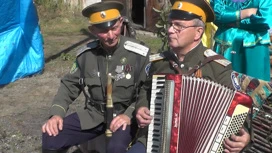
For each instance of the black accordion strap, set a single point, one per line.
(175, 66)
(207, 60)
(173, 61)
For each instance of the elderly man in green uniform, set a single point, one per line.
(112, 53)
(187, 56)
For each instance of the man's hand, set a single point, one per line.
(53, 125)
(236, 143)
(118, 121)
(143, 117)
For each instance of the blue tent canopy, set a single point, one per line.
(21, 43)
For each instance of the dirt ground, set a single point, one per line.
(25, 103)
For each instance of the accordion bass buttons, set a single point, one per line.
(227, 121)
(225, 125)
(215, 147)
(219, 138)
(223, 129)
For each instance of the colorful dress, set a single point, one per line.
(244, 42)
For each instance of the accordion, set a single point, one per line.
(193, 115)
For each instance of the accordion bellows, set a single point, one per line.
(193, 115)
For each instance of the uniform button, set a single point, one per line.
(181, 65)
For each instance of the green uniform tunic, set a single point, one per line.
(93, 64)
(212, 71)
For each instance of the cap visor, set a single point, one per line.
(106, 25)
(183, 15)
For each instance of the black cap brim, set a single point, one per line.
(101, 6)
(183, 15)
(106, 25)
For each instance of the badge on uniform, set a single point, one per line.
(128, 76)
(147, 67)
(119, 76)
(128, 69)
(235, 82)
(74, 68)
(123, 71)
(123, 60)
(119, 69)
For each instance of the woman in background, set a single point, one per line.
(242, 35)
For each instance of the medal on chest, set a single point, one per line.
(123, 72)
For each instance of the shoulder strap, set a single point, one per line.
(207, 60)
(103, 75)
(173, 61)
(137, 69)
(82, 82)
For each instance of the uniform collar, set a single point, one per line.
(114, 50)
(194, 54)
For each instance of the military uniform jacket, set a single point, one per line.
(93, 65)
(212, 71)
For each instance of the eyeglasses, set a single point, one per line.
(177, 27)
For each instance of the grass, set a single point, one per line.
(63, 26)
(57, 17)
(150, 40)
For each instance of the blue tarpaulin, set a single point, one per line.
(21, 43)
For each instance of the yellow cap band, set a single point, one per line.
(191, 8)
(104, 16)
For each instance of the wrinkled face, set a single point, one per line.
(108, 37)
(181, 33)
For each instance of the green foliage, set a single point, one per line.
(151, 41)
(161, 26)
(67, 57)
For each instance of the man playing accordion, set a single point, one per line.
(187, 56)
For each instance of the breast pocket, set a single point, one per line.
(94, 88)
(123, 89)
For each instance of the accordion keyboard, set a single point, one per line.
(153, 142)
(159, 130)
